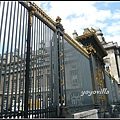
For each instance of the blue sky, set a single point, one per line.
(77, 15)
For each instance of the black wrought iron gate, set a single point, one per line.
(29, 64)
(45, 73)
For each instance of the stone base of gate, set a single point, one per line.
(85, 114)
(64, 113)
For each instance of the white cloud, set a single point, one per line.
(87, 16)
(114, 29)
(116, 15)
(102, 15)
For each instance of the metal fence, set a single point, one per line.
(43, 69)
(113, 96)
(26, 71)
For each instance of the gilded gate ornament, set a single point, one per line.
(90, 49)
(102, 97)
(58, 19)
(31, 13)
(87, 30)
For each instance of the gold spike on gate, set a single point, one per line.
(63, 99)
(62, 82)
(61, 68)
(61, 54)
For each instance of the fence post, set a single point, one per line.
(30, 15)
(61, 109)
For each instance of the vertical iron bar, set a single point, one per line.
(32, 64)
(2, 102)
(37, 69)
(18, 60)
(23, 91)
(33, 68)
(56, 72)
(30, 99)
(27, 69)
(38, 74)
(41, 33)
(64, 72)
(47, 70)
(21, 60)
(14, 61)
(51, 72)
(8, 78)
(2, 21)
(59, 71)
(44, 77)
(8, 39)
(8, 92)
(35, 65)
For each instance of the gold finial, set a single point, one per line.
(93, 30)
(86, 31)
(58, 19)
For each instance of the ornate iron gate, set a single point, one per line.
(43, 71)
(29, 64)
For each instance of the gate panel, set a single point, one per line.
(41, 97)
(78, 79)
(116, 90)
(24, 67)
(109, 87)
(13, 35)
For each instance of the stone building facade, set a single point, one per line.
(112, 60)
